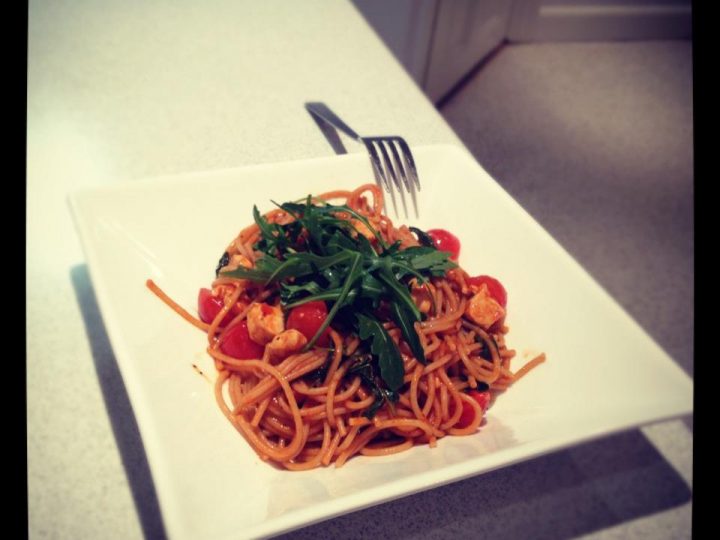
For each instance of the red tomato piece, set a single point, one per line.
(483, 398)
(307, 319)
(237, 343)
(467, 416)
(209, 306)
(446, 241)
(468, 413)
(495, 288)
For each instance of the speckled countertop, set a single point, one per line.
(123, 90)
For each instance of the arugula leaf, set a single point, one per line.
(328, 295)
(482, 386)
(224, 260)
(427, 258)
(291, 292)
(390, 361)
(268, 269)
(353, 274)
(424, 238)
(317, 376)
(273, 237)
(382, 395)
(339, 241)
(332, 278)
(372, 289)
(484, 339)
(258, 274)
(321, 255)
(266, 229)
(406, 322)
(399, 290)
(313, 211)
(363, 367)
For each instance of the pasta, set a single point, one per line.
(317, 366)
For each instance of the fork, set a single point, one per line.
(403, 175)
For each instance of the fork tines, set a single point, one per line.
(394, 173)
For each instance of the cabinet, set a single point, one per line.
(440, 41)
(465, 32)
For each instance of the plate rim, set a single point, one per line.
(306, 516)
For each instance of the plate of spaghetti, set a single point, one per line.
(336, 333)
(292, 353)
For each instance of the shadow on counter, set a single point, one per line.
(119, 409)
(565, 494)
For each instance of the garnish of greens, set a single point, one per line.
(321, 256)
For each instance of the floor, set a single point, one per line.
(595, 140)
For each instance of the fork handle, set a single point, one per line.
(322, 111)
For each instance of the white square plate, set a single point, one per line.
(603, 372)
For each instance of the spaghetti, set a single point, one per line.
(308, 396)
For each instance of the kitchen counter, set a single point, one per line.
(123, 90)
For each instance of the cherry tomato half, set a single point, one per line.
(209, 306)
(495, 288)
(468, 413)
(446, 241)
(308, 318)
(483, 398)
(238, 344)
(467, 416)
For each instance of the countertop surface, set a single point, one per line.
(123, 90)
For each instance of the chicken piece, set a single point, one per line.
(483, 309)
(363, 229)
(264, 322)
(285, 344)
(236, 261)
